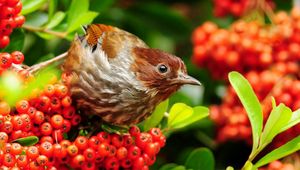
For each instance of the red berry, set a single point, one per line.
(134, 131)
(4, 41)
(46, 148)
(32, 152)
(126, 163)
(7, 127)
(103, 149)
(19, 20)
(57, 121)
(39, 117)
(17, 122)
(46, 139)
(17, 57)
(155, 133)
(78, 161)
(4, 108)
(103, 137)
(138, 163)
(42, 160)
(7, 12)
(76, 119)
(111, 163)
(142, 139)
(3, 137)
(66, 126)
(89, 166)
(22, 161)
(116, 140)
(16, 149)
(121, 153)
(59, 151)
(89, 154)
(93, 142)
(66, 101)
(8, 160)
(46, 128)
(81, 142)
(5, 60)
(12, 3)
(72, 150)
(134, 152)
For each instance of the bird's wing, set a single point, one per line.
(110, 39)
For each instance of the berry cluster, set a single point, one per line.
(9, 19)
(136, 150)
(237, 8)
(267, 56)
(231, 118)
(247, 46)
(6, 59)
(48, 114)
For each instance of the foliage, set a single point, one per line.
(279, 120)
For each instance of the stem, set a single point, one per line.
(44, 64)
(45, 30)
(206, 140)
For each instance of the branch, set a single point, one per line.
(40, 29)
(45, 64)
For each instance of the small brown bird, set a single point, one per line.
(116, 76)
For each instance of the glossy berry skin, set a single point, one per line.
(5, 60)
(9, 19)
(142, 78)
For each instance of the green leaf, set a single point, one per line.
(27, 141)
(278, 118)
(17, 39)
(45, 35)
(172, 166)
(57, 19)
(286, 149)
(82, 19)
(295, 119)
(201, 158)
(77, 8)
(37, 19)
(180, 167)
(251, 104)
(182, 115)
(31, 6)
(168, 166)
(156, 116)
(52, 8)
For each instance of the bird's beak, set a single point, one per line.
(186, 79)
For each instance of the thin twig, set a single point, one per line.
(40, 29)
(44, 64)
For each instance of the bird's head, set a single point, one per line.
(160, 72)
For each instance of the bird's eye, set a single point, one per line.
(162, 68)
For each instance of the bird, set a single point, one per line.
(119, 78)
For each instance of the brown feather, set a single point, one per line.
(95, 31)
